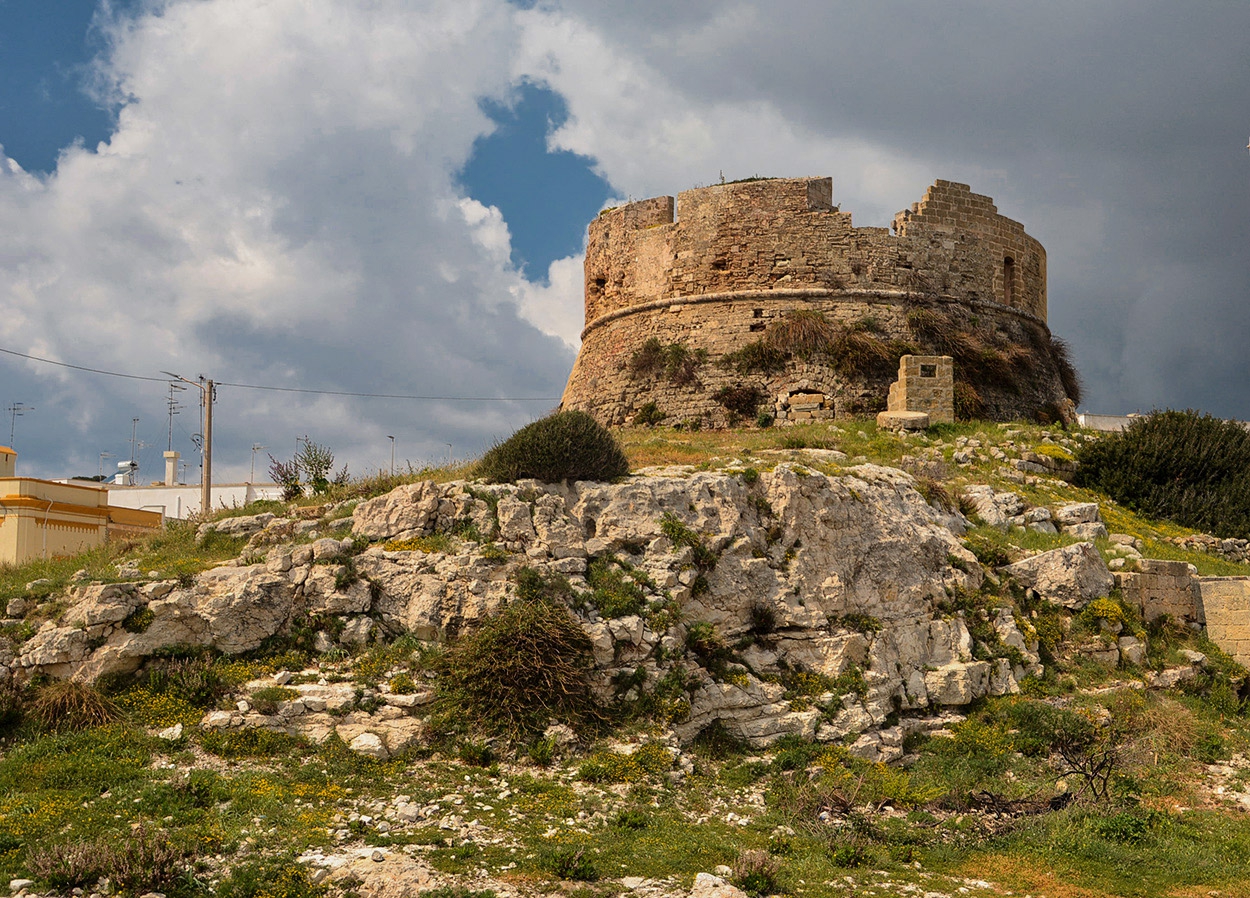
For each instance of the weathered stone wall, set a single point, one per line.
(1162, 587)
(786, 233)
(1014, 261)
(603, 384)
(711, 271)
(1226, 607)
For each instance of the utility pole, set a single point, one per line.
(392, 439)
(206, 501)
(208, 392)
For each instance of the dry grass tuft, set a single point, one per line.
(69, 706)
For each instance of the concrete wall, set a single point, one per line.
(184, 501)
(1226, 607)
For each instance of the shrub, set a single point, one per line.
(12, 703)
(139, 620)
(568, 445)
(650, 759)
(569, 864)
(286, 475)
(267, 699)
(968, 403)
(614, 592)
(673, 361)
(476, 754)
(741, 401)
(269, 878)
(142, 862)
(805, 333)
(1068, 375)
(69, 706)
(523, 668)
(1185, 466)
(649, 415)
(857, 352)
(630, 818)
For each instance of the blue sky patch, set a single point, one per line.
(547, 198)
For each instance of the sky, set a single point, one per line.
(391, 198)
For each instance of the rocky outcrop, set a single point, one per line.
(840, 577)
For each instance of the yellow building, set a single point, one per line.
(43, 519)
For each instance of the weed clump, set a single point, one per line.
(69, 706)
(1187, 467)
(144, 861)
(673, 362)
(524, 668)
(568, 445)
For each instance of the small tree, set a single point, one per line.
(316, 461)
(311, 467)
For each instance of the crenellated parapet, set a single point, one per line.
(713, 269)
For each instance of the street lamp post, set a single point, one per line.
(392, 439)
(256, 447)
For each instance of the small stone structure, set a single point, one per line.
(1226, 609)
(925, 386)
(680, 296)
(1162, 587)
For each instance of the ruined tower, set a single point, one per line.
(760, 300)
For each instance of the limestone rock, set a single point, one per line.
(708, 886)
(995, 509)
(241, 607)
(407, 511)
(1077, 513)
(1132, 651)
(236, 526)
(1087, 531)
(1071, 576)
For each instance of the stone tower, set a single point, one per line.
(704, 310)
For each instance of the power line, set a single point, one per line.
(35, 358)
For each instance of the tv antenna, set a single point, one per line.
(15, 410)
(174, 408)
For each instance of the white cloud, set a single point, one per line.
(277, 205)
(557, 307)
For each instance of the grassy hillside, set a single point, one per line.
(1086, 784)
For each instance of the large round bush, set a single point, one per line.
(564, 446)
(1188, 467)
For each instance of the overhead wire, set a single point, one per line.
(406, 396)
